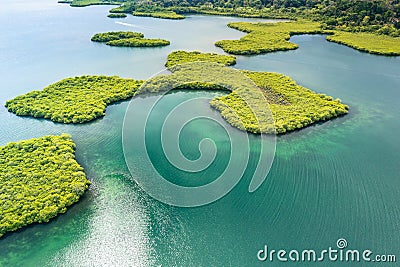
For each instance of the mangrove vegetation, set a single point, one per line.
(160, 15)
(270, 37)
(269, 103)
(267, 37)
(127, 39)
(369, 26)
(116, 15)
(74, 100)
(112, 36)
(180, 57)
(39, 179)
(368, 42)
(290, 106)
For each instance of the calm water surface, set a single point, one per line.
(333, 180)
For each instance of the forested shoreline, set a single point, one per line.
(378, 16)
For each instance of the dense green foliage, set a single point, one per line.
(379, 16)
(293, 107)
(266, 37)
(368, 42)
(128, 39)
(39, 179)
(269, 37)
(180, 57)
(74, 100)
(138, 42)
(251, 106)
(116, 15)
(160, 15)
(112, 36)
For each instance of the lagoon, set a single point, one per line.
(334, 180)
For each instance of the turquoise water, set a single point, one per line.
(334, 180)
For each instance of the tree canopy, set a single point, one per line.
(39, 179)
(74, 100)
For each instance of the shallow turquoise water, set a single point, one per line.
(332, 180)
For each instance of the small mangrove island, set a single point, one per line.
(40, 178)
(180, 57)
(74, 100)
(127, 39)
(116, 15)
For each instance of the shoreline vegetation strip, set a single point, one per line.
(40, 179)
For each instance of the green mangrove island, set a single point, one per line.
(181, 57)
(74, 100)
(82, 99)
(127, 39)
(116, 15)
(40, 178)
(292, 106)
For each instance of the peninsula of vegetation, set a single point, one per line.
(127, 39)
(292, 106)
(267, 37)
(40, 178)
(180, 57)
(74, 100)
(368, 42)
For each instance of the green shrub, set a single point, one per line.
(39, 179)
